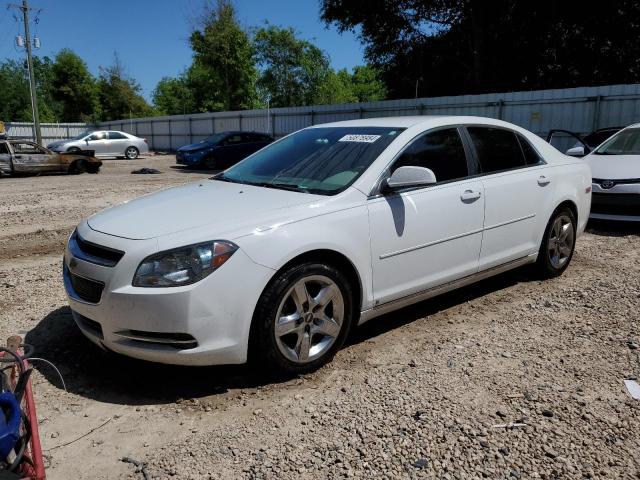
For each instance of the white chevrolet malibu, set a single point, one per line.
(278, 257)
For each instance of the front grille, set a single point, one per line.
(88, 325)
(92, 253)
(626, 181)
(87, 290)
(615, 204)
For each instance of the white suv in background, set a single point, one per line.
(105, 144)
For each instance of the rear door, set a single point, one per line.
(518, 192)
(116, 143)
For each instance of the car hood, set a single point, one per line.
(207, 203)
(614, 167)
(194, 147)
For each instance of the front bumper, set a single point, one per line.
(206, 323)
(189, 159)
(621, 202)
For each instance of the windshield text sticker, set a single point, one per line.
(360, 138)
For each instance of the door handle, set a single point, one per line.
(470, 196)
(543, 181)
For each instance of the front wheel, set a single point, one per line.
(302, 319)
(210, 163)
(558, 244)
(78, 167)
(131, 153)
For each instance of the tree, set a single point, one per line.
(367, 85)
(74, 88)
(292, 70)
(119, 95)
(173, 96)
(223, 73)
(440, 47)
(15, 96)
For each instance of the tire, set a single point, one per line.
(558, 244)
(210, 163)
(73, 150)
(78, 167)
(314, 330)
(131, 153)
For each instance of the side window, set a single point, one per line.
(441, 151)
(26, 148)
(498, 149)
(234, 139)
(98, 136)
(4, 149)
(531, 156)
(116, 136)
(249, 137)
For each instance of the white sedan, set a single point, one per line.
(615, 166)
(104, 144)
(278, 257)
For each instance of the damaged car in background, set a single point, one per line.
(23, 157)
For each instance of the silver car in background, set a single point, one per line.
(105, 144)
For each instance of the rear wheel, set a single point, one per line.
(558, 244)
(131, 153)
(302, 319)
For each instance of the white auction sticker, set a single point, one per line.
(360, 138)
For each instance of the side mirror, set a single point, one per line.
(578, 151)
(405, 177)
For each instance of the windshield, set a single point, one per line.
(214, 138)
(81, 136)
(316, 160)
(626, 142)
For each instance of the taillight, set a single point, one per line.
(587, 190)
(145, 141)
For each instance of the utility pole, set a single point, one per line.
(32, 80)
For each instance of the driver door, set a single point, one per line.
(426, 236)
(97, 141)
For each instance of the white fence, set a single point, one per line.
(50, 131)
(581, 110)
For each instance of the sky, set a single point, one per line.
(151, 36)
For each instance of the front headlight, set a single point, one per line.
(184, 265)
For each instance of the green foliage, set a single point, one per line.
(223, 73)
(173, 96)
(73, 88)
(449, 47)
(292, 71)
(119, 95)
(366, 84)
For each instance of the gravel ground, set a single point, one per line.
(425, 392)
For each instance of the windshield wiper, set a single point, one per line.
(282, 186)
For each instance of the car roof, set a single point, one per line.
(415, 120)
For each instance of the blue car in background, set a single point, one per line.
(222, 150)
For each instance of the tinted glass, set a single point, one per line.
(116, 136)
(441, 151)
(596, 138)
(249, 137)
(233, 139)
(626, 142)
(498, 149)
(4, 150)
(315, 160)
(531, 157)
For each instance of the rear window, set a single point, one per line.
(498, 149)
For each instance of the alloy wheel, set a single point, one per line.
(561, 241)
(309, 319)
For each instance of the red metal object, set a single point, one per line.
(32, 467)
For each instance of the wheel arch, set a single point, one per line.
(332, 257)
(569, 204)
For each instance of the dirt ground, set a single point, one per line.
(421, 393)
